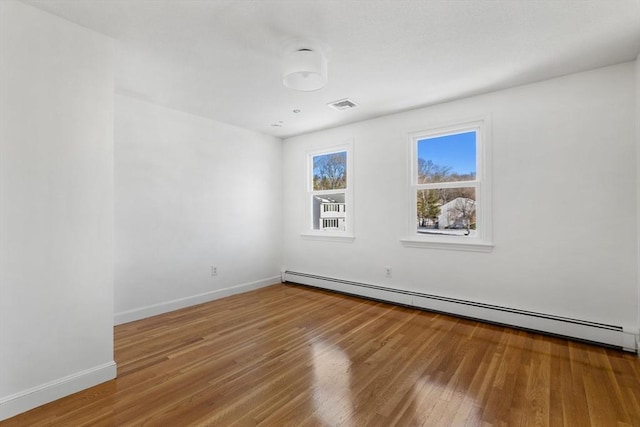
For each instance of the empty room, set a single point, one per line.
(319, 213)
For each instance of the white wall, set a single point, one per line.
(637, 112)
(564, 202)
(56, 208)
(191, 193)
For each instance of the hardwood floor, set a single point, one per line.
(288, 355)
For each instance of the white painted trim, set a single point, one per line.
(309, 232)
(167, 306)
(630, 340)
(637, 141)
(53, 390)
(483, 241)
(346, 238)
(471, 246)
(546, 323)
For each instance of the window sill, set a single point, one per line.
(328, 237)
(470, 246)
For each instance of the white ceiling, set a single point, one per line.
(221, 58)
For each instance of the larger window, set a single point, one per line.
(450, 196)
(329, 194)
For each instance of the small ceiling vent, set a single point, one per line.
(343, 104)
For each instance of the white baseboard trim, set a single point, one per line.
(54, 390)
(168, 306)
(579, 329)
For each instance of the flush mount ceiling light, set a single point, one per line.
(304, 70)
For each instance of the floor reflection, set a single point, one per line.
(433, 403)
(332, 384)
(285, 356)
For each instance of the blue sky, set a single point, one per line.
(317, 160)
(457, 151)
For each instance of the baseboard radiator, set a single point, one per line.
(582, 330)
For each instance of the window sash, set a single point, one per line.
(456, 184)
(341, 191)
(310, 173)
(476, 127)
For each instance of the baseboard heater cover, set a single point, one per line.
(583, 330)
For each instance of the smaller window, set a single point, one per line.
(450, 195)
(329, 194)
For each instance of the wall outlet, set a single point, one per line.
(387, 271)
(214, 270)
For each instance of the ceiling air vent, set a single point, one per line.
(343, 104)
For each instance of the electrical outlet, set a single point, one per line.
(214, 270)
(387, 271)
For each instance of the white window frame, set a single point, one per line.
(331, 235)
(482, 240)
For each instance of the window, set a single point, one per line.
(329, 193)
(450, 196)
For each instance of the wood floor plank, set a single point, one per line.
(293, 355)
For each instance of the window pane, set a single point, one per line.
(446, 211)
(447, 158)
(329, 212)
(330, 171)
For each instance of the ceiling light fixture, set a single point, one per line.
(304, 70)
